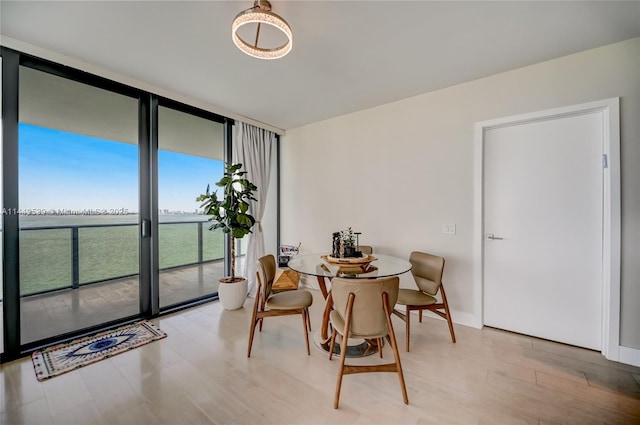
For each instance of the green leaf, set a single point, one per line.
(244, 220)
(229, 211)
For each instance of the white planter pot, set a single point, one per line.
(233, 295)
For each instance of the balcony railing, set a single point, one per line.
(69, 256)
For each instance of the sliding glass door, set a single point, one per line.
(1, 233)
(190, 157)
(78, 204)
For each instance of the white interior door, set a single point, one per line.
(543, 204)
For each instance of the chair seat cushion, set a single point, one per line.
(290, 300)
(338, 324)
(413, 297)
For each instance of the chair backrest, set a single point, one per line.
(366, 249)
(368, 316)
(267, 266)
(427, 271)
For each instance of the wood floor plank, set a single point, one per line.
(617, 402)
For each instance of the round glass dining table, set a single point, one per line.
(324, 268)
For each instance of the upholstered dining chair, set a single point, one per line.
(268, 303)
(362, 309)
(366, 249)
(427, 272)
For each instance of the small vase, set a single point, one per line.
(349, 251)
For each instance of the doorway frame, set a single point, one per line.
(610, 110)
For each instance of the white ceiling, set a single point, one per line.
(347, 55)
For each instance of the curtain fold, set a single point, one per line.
(252, 148)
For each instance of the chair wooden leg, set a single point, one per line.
(304, 328)
(420, 316)
(254, 322)
(343, 348)
(333, 343)
(262, 306)
(408, 326)
(251, 333)
(324, 327)
(380, 347)
(343, 357)
(308, 320)
(453, 335)
(396, 354)
(447, 313)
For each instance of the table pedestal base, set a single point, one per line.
(355, 347)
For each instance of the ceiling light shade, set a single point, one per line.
(260, 14)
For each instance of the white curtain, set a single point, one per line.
(252, 148)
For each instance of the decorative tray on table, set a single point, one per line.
(350, 266)
(365, 259)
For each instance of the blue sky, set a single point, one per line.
(60, 170)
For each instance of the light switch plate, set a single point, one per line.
(449, 229)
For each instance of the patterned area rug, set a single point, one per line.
(59, 359)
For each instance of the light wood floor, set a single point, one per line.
(200, 374)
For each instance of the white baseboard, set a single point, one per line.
(459, 318)
(628, 355)
(466, 319)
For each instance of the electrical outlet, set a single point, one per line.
(449, 229)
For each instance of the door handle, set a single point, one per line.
(490, 237)
(144, 228)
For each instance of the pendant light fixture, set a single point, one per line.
(261, 14)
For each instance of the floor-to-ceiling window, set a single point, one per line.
(100, 183)
(1, 204)
(190, 157)
(78, 202)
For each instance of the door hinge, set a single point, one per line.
(605, 162)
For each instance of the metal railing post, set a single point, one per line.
(75, 263)
(200, 242)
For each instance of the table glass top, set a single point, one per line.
(381, 266)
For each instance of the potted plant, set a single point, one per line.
(230, 213)
(348, 242)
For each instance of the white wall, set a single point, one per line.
(399, 171)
